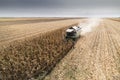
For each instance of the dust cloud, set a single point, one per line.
(89, 25)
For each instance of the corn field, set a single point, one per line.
(33, 57)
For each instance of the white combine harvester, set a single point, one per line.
(73, 33)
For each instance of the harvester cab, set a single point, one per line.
(73, 33)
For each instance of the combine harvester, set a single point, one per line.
(73, 33)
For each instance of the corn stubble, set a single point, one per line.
(34, 56)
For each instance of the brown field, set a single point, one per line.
(115, 19)
(96, 56)
(13, 21)
(17, 30)
(34, 48)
